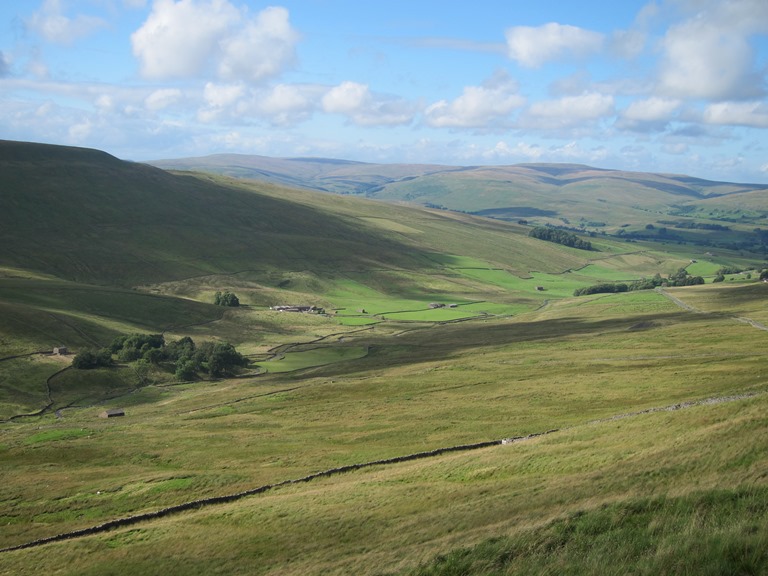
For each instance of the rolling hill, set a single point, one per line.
(455, 409)
(573, 194)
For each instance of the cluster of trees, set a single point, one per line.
(682, 278)
(559, 236)
(183, 356)
(226, 299)
(89, 358)
(606, 288)
(679, 278)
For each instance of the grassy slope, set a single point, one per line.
(398, 387)
(563, 367)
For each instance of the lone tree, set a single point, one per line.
(226, 299)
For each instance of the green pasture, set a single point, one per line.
(618, 485)
(357, 320)
(290, 361)
(50, 312)
(22, 384)
(647, 494)
(742, 300)
(569, 363)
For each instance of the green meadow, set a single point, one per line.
(639, 418)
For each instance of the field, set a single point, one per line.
(571, 366)
(516, 429)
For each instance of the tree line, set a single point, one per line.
(559, 236)
(679, 278)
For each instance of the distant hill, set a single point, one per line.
(551, 193)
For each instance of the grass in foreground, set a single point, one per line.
(668, 492)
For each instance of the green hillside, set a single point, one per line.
(569, 195)
(453, 409)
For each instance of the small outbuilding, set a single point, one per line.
(60, 351)
(112, 413)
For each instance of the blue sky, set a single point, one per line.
(667, 86)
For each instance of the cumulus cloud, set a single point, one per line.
(569, 111)
(51, 23)
(649, 114)
(534, 46)
(261, 49)
(288, 104)
(478, 106)
(752, 114)
(709, 55)
(364, 108)
(189, 38)
(221, 101)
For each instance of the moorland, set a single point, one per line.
(446, 406)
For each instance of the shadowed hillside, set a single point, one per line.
(84, 215)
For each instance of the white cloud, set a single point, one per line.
(346, 98)
(650, 114)
(105, 103)
(651, 109)
(533, 46)
(163, 98)
(709, 56)
(222, 95)
(478, 106)
(189, 38)
(569, 111)
(50, 23)
(263, 48)
(179, 38)
(364, 108)
(5, 65)
(752, 114)
(287, 104)
(223, 102)
(504, 152)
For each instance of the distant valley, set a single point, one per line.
(560, 194)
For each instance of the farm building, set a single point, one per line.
(112, 413)
(60, 351)
(292, 308)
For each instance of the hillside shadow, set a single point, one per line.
(86, 216)
(446, 342)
